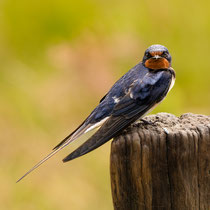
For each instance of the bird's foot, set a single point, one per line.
(146, 122)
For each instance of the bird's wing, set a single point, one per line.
(74, 135)
(107, 131)
(143, 95)
(83, 128)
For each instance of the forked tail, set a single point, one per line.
(43, 160)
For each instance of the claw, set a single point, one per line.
(148, 122)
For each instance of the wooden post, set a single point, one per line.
(163, 166)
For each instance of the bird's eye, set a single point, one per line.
(164, 54)
(147, 54)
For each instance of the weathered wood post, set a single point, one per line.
(164, 166)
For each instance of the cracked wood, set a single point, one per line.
(163, 165)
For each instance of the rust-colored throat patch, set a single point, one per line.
(157, 63)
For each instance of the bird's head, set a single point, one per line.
(157, 57)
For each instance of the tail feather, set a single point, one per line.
(88, 146)
(83, 128)
(76, 134)
(107, 131)
(43, 160)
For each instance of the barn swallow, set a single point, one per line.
(130, 98)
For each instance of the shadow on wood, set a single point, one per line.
(162, 166)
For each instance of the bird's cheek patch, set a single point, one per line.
(160, 63)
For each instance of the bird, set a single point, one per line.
(133, 96)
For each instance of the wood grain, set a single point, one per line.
(164, 165)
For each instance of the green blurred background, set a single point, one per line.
(57, 59)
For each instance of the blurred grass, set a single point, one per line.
(57, 59)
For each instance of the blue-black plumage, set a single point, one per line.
(130, 98)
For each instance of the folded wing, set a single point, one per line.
(143, 96)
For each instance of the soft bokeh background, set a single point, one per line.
(57, 59)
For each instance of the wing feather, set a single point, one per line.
(140, 99)
(107, 131)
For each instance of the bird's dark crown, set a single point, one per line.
(157, 57)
